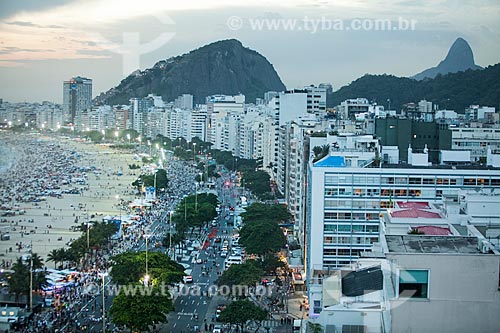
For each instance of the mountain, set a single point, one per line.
(459, 58)
(223, 67)
(454, 91)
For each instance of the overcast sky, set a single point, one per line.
(43, 43)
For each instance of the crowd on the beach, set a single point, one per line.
(44, 168)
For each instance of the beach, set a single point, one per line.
(52, 185)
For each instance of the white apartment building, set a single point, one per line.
(177, 124)
(50, 118)
(138, 108)
(414, 283)
(198, 124)
(184, 101)
(350, 107)
(476, 140)
(154, 123)
(223, 114)
(95, 119)
(251, 132)
(316, 101)
(345, 200)
(292, 164)
(479, 113)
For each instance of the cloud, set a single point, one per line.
(9, 8)
(33, 25)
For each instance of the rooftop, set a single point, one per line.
(432, 244)
(432, 230)
(415, 213)
(413, 204)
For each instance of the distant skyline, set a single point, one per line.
(43, 43)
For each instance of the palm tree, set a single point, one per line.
(56, 255)
(37, 261)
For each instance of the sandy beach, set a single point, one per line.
(98, 176)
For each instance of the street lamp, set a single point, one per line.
(31, 277)
(194, 151)
(128, 138)
(146, 277)
(119, 207)
(103, 275)
(170, 234)
(196, 196)
(103, 135)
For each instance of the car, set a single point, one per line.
(218, 240)
(188, 279)
(217, 329)
(214, 223)
(223, 254)
(199, 261)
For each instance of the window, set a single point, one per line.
(428, 180)
(469, 181)
(414, 283)
(317, 307)
(330, 228)
(354, 329)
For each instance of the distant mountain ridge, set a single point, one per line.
(454, 91)
(459, 58)
(222, 67)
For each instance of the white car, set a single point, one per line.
(217, 329)
(223, 254)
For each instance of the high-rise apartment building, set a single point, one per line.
(345, 201)
(77, 97)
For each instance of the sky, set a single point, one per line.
(43, 43)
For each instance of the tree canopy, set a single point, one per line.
(130, 268)
(140, 311)
(262, 237)
(245, 274)
(195, 211)
(258, 182)
(260, 211)
(241, 311)
(454, 91)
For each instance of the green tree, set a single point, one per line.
(139, 312)
(240, 312)
(55, 255)
(270, 263)
(246, 274)
(262, 237)
(130, 268)
(258, 182)
(260, 211)
(95, 136)
(19, 281)
(314, 327)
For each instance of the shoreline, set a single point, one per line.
(90, 170)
